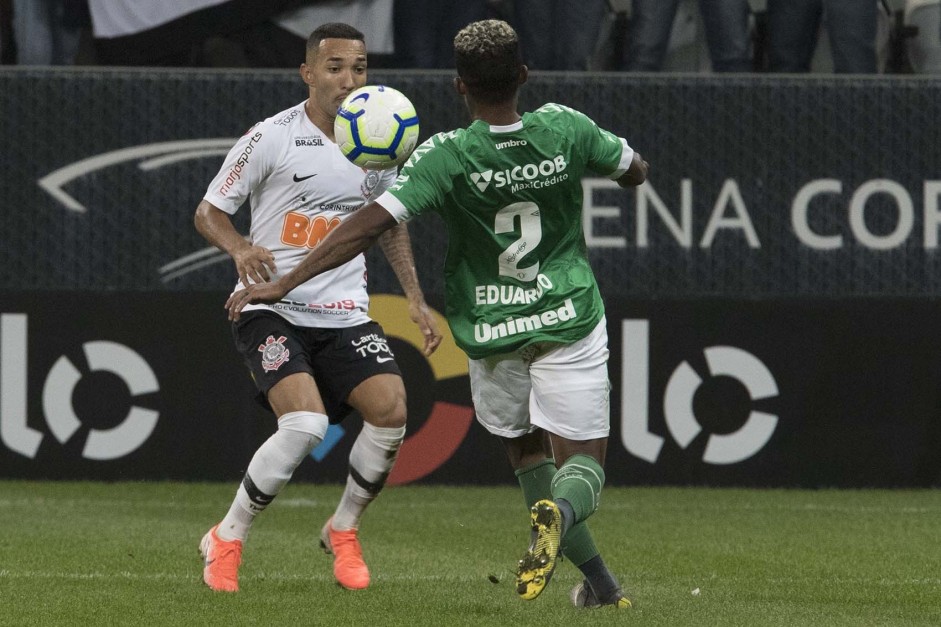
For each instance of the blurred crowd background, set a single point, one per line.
(793, 36)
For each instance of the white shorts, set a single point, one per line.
(562, 388)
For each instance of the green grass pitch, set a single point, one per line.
(125, 554)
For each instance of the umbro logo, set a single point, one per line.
(482, 179)
(298, 179)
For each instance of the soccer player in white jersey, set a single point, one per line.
(313, 353)
(522, 301)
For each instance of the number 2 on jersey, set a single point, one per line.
(530, 234)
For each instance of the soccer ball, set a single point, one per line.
(376, 127)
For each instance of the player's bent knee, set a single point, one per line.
(386, 438)
(381, 402)
(392, 416)
(307, 422)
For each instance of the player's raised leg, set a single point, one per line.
(569, 400)
(600, 586)
(576, 488)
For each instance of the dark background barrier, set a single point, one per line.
(789, 229)
(795, 392)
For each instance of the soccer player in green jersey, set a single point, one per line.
(522, 301)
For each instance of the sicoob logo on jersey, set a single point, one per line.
(273, 353)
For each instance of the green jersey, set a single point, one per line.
(517, 269)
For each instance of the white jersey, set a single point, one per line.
(301, 187)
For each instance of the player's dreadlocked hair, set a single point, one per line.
(488, 60)
(332, 30)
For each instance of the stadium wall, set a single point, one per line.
(772, 291)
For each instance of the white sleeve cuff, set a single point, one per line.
(222, 203)
(627, 156)
(394, 206)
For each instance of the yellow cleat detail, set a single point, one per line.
(538, 563)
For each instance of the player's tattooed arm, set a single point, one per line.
(397, 247)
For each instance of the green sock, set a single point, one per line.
(579, 482)
(535, 480)
(578, 546)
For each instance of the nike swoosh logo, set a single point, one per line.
(383, 360)
(298, 179)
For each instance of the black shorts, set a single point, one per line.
(338, 359)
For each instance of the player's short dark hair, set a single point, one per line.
(488, 59)
(332, 30)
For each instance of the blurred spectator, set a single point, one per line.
(7, 49)
(372, 17)
(260, 45)
(793, 27)
(726, 28)
(228, 33)
(47, 32)
(425, 30)
(190, 32)
(558, 34)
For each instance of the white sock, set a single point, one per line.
(271, 468)
(371, 461)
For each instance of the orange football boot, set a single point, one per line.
(348, 566)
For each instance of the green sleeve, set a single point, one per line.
(427, 177)
(603, 148)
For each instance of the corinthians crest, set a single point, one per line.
(369, 183)
(273, 353)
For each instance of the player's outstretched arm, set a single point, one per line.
(254, 263)
(636, 174)
(354, 235)
(397, 247)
